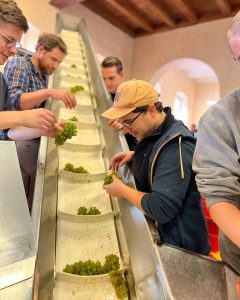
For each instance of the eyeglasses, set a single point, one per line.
(11, 42)
(129, 124)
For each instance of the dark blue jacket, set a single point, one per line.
(172, 199)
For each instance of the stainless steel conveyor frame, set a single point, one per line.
(159, 271)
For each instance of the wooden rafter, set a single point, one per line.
(108, 14)
(161, 13)
(130, 14)
(185, 23)
(224, 6)
(187, 10)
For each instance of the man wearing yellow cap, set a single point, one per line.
(162, 167)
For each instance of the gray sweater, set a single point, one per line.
(216, 162)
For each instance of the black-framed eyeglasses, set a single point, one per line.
(10, 42)
(129, 124)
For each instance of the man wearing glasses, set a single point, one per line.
(27, 81)
(162, 167)
(12, 25)
(217, 162)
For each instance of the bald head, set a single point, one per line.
(233, 37)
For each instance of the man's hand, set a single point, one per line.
(38, 118)
(120, 159)
(66, 97)
(115, 188)
(53, 130)
(115, 125)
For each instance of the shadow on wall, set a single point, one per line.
(188, 86)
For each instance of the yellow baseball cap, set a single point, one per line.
(130, 95)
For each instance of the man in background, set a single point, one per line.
(113, 76)
(217, 163)
(27, 81)
(29, 123)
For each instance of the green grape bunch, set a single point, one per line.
(69, 130)
(73, 66)
(76, 88)
(90, 267)
(108, 177)
(70, 168)
(92, 211)
(119, 283)
(73, 118)
(111, 266)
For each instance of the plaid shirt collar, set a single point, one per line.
(27, 58)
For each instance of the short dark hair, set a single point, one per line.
(112, 61)
(50, 41)
(11, 13)
(158, 106)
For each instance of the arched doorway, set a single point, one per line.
(187, 83)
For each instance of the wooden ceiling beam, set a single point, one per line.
(224, 6)
(161, 13)
(107, 14)
(185, 7)
(185, 23)
(130, 14)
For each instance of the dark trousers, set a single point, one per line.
(28, 154)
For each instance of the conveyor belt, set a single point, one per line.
(82, 237)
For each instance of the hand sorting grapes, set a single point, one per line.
(108, 178)
(69, 130)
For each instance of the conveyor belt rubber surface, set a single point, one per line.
(82, 237)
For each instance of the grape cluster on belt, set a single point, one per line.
(73, 118)
(108, 178)
(90, 267)
(69, 130)
(76, 88)
(119, 283)
(70, 168)
(73, 66)
(91, 211)
(111, 266)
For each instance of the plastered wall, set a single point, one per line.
(39, 13)
(144, 57)
(198, 94)
(107, 39)
(206, 42)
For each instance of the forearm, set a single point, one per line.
(9, 119)
(227, 217)
(23, 133)
(133, 196)
(32, 99)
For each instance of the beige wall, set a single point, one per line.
(204, 93)
(107, 39)
(206, 42)
(39, 13)
(174, 81)
(145, 57)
